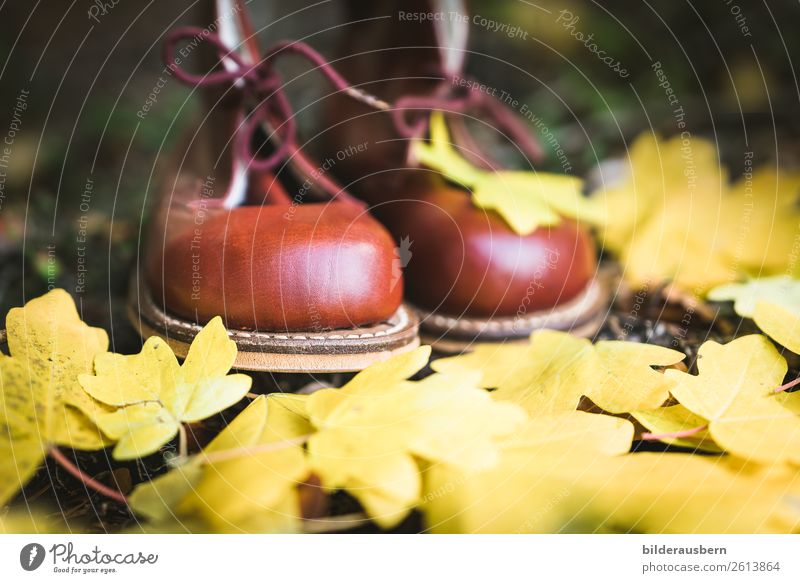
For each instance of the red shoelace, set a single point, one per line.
(263, 84)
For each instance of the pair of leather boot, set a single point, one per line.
(307, 273)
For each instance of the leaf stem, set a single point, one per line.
(228, 454)
(674, 434)
(788, 385)
(183, 447)
(87, 481)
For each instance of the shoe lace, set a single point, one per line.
(262, 82)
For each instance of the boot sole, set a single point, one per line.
(345, 350)
(581, 316)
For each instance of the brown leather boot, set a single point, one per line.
(305, 279)
(470, 276)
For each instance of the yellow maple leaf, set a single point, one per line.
(735, 392)
(41, 402)
(525, 200)
(34, 521)
(781, 290)
(772, 302)
(371, 432)
(153, 395)
(539, 377)
(779, 323)
(656, 169)
(763, 211)
(572, 431)
(621, 375)
(676, 218)
(558, 368)
(588, 492)
(497, 362)
(677, 425)
(245, 480)
(366, 384)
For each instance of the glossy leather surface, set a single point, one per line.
(467, 261)
(280, 267)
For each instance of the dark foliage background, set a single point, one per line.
(81, 159)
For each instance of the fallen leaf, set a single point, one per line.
(779, 323)
(656, 169)
(621, 377)
(152, 394)
(763, 228)
(525, 200)
(34, 521)
(559, 368)
(497, 363)
(245, 480)
(543, 379)
(371, 432)
(585, 492)
(367, 384)
(677, 419)
(157, 500)
(772, 302)
(571, 431)
(735, 392)
(780, 290)
(676, 218)
(41, 402)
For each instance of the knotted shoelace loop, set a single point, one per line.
(260, 81)
(264, 85)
